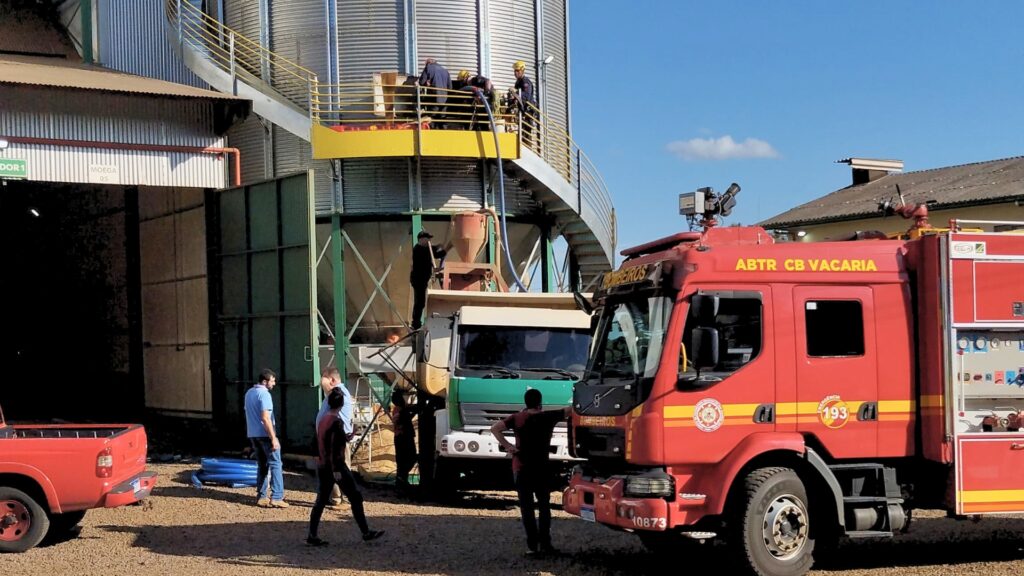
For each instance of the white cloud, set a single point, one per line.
(723, 148)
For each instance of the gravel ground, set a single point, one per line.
(181, 530)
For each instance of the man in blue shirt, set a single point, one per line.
(259, 423)
(331, 379)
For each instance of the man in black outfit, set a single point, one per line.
(533, 428)
(331, 470)
(423, 266)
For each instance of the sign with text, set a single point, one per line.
(12, 168)
(104, 174)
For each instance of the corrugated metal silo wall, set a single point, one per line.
(250, 136)
(448, 30)
(451, 184)
(298, 33)
(375, 186)
(370, 38)
(132, 39)
(513, 29)
(556, 77)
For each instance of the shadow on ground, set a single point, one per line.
(586, 548)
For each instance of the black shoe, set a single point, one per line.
(372, 535)
(316, 542)
(548, 550)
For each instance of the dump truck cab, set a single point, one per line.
(486, 350)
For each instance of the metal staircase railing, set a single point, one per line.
(238, 55)
(353, 106)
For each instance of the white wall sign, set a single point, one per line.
(104, 174)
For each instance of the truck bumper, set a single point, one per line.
(462, 444)
(130, 491)
(606, 504)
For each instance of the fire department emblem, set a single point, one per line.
(833, 412)
(708, 415)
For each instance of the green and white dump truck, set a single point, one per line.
(481, 352)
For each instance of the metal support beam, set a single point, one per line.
(338, 267)
(547, 255)
(574, 272)
(87, 36)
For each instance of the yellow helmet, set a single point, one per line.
(463, 75)
(519, 65)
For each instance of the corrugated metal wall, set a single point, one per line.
(115, 118)
(375, 186)
(370, 38)
(250, 138)
(556, 79)
(448, 30)
(513, 29)
(132, 39)
(243, 16)
(451, 184)
(299, 33)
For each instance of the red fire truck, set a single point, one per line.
(783, 395)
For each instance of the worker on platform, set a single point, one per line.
(472, 109)
(425, 257)
(525, 98)
(438, 82)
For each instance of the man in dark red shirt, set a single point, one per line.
(332, 440)
(532, 427)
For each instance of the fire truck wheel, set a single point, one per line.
(23, 522)
(772, 526)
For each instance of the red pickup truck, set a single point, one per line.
(51, 474)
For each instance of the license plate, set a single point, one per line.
(136, 485)
(588, 514)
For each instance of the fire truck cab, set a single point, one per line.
(783, 395)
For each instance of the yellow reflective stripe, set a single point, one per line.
(890, 406)
(980, 496)
(932, 401)
(793, 408)
(678, 412)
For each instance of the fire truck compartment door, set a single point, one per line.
(836, 368)
(990, 474)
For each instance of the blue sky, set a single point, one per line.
(668, 96)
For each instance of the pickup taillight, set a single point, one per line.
(105, 463)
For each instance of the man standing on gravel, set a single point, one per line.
(533, 428)
(259, 424)
(330, 380)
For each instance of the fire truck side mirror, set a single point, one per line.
(704, 346)
(704, 308)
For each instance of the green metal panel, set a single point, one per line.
(263, 270)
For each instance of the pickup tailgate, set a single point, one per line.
(88, 466)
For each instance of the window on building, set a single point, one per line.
(739, 332)
(834, 328)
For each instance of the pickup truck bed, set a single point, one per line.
(51, 474)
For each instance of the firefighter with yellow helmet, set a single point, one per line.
(525, 98)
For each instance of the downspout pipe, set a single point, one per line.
(237, 173)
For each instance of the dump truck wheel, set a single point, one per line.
(23, 522)
(770, 531)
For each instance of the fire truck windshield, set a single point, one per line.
(629, 340)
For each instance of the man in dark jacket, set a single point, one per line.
(424, 257)
(525, 98)
(436, 78)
